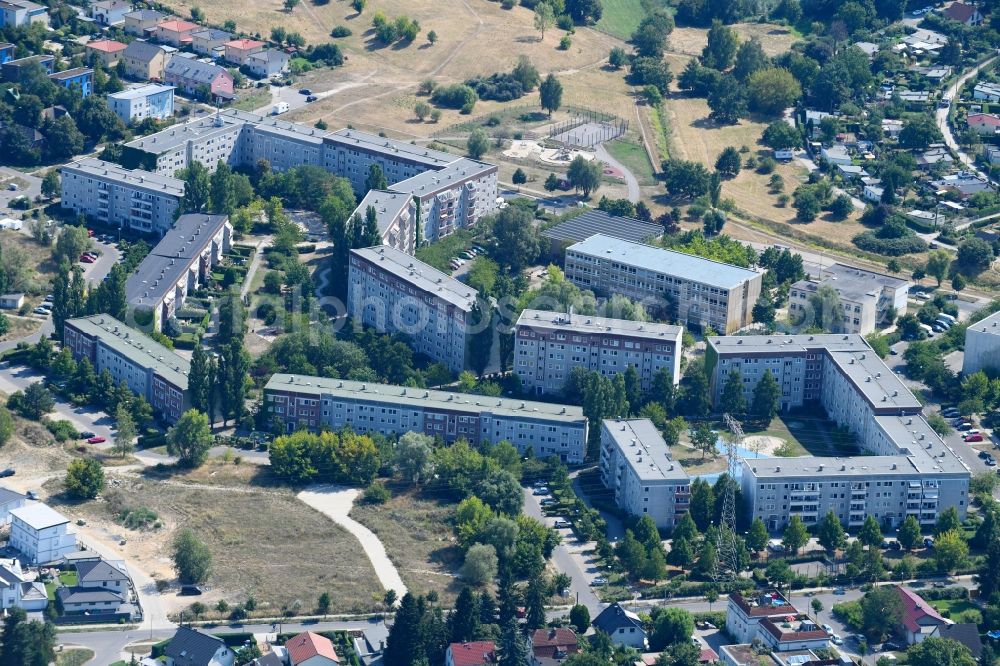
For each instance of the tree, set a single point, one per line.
(766, 398)
(198, 384)
(938, 263)
(919, 132)
(197, 188)
(290, 4)
(545, 18)
(779, 572)
(617, 58)
(478, 143)
(750, 58)
(733, 401)
(909, 533)
(841, 207)
(63, 138)
(704, 439)
(830, 533)
(6, 425)
(795, 535)
(584, 11)
(584, 174)
(432, 37)
(190, 438)
(947, 521)
(764, 311)
(958, 282)
(757, 537)
(512, 647)
(974, 256)
(988, 577)
(84, 478)
(125, 430)
(32, 403)
(464, 621)
(50, 185)
(480, 335)
(579, 617)
(935, 651)
(27, 643)
(519, 177)
(720, 51)
(650, 37)
(950, 550)
(550, 94)
(807, 205)
(414, 456)
(481, 564)
(192, 558)
(670, 627)
(728, 162)
(870, 534)
(376, 178)
(780, 135)
(71, 243)
(727, 101)
(516, 238)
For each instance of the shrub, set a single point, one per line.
(565, 43)
(61, 429)
(501, 87)
(139, 518)
(765, 165)
(377, 493)
(341, 31)
(455, 96)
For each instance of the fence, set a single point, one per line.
(587, 128)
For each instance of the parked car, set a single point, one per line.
(929, 543)
(549, 502)
(541, 490)
(984, 454)
(889, 645)
(837, 640)
(305, 91)
(190, 590)
(86, 434)
(7, 472)
(48, 298)
(40, 310)
(827, 628)
(311, 98)
(96, 440)
(563, 524)
(840, 591)
(973, 438)
(965, 426)
(600, 580)
(86, 259)
(990, 462)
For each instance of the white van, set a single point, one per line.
(947, 317)
(279, 108)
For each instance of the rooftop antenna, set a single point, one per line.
(727, 564)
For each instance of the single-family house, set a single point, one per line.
(189, 75)
(152, 100)
(919, 617)
(935, 153)
(20, 13)
(851, 171)
(984, 124)
(175, 32)
(7, 52)
(913, 99)
(238, 50)
(41, 533)
(922, 40)
(471, 653)
(987, 91)
(31, 136)
(142, 22)
(892, 127)
(963, 183)
(965, 633)
(745, 614)
(872, 189)
(192, 647)
(77, 600)
(267, 63)
(836, 154)
(210, 42)
(868, 48)
(9, 302)
(108, 51)
(311, 649)
(624, 626)
(923, 218)
(79, 78)
(10, 499)
(269, 659)
(792, 633)
(102, 574)
(145, 61)
(550, 646)
(109, 12)
(963, 13)
(16, 590)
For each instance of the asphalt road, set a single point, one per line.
(941, 115)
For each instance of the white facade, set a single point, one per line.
(41, 534)
(982, 345)
(744, 615)
(148, 101)
(9, 500)
(548, 345)
(298, 401)
(866, 298)
(636, 467)
(106, 192)
(392, 292)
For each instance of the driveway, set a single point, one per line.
(336, 502)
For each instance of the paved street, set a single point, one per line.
(941, 115)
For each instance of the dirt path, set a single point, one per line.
(336, 502)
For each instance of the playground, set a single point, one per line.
(521, 149)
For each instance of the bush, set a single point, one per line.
(565, 43)
(870, 241)
(138, 518)
(766, 165)
(341, 31)
(455, 96)
(501, 87)
(61, 429)
(376, 493)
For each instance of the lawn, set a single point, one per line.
(440, 253)
(634, 157)
(621, 17)
(252, 99)
(954, 609)
(418, 538)
(67, 578)
(74, 657)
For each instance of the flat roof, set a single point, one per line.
(351, 138)
(856, 283)
(178, 135)
(668, 262)
(546, 320)
(165, 263)
(989, 325)
(417, 397)
(642, 446)
(422, 276)
(387, 204)
(595, 221)
(433, 180)
(71, 73)
(39, 516)
(154, 182)
(141, 91)
(137, 347)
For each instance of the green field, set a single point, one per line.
(954, 609)
(634, 157)
(621, 17)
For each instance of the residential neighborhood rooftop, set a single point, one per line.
(547, 320)
(422, 276)
(595, 221)
(39, 516)
(644, 449)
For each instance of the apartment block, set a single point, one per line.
(148, 101)
(396, 216)
(905, 469)
(138, 200)
(148, 368)
(867, 299)
(636, 467)
(548, 345)
(699, 292)
(298, 401)
(41, 533)
(982, 345)
(392, 292)
(21, 13)
(448, 192)
(177, 266)
(80, 79)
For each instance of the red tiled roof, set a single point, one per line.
(984, 119)
(473, 653)
(107, 46)
(960, 11)
(244, 44)
(307, 645)
(178, 26)
(916, 609)
(708, 656)
(561, 637)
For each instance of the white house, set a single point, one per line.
(919, 617)
(873, 191)
(836, 154)
(623, 626)
(41, 533)
(17, 591)
(10, 500)
(191, 647)
(744, 616)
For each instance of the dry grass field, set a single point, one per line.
(775, 39)
(417, 536)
